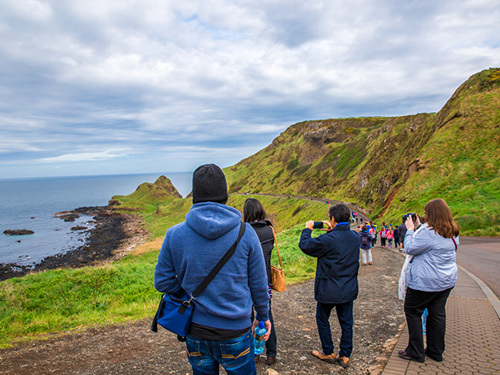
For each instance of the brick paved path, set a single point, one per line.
(472, 337)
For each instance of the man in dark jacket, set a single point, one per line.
(336, 284)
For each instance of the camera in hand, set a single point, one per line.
(318, 225)
(410, 214)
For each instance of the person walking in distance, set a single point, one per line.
(396, 237)
(365, 246)
(402, 233)
(390, 236)
(336, 284)
(383, 236)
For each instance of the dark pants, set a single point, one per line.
(416, 302)
(271, 341)
(344, 314)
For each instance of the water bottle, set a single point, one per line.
(424, 321)
(258, 339)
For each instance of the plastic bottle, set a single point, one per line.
(424, 321)
(258, 339)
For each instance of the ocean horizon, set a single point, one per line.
(30, 203)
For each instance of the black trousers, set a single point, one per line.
(416, 302)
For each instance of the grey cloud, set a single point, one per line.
(89, 77)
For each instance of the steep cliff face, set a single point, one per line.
(389, 165)
(362, 158)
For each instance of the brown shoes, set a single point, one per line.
(343, 361)
(270, 361)
(330, 358)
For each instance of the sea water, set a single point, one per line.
(32, 203)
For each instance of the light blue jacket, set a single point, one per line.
(433, 267)
(192, 248)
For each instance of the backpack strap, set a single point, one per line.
(454, 243)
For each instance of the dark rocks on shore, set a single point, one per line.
(79, 227)
(17, 232)
(67, 216)
(103, 240)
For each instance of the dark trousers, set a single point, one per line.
(344, 314)
(271, 341)
(416, 302)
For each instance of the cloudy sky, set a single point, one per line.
(105, 87)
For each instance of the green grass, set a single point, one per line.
(56, 301)
(298, 266)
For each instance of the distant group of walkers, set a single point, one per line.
(389, 235)
(239, 297)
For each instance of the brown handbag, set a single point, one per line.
(277, 274)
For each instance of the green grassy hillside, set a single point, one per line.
(394, 165)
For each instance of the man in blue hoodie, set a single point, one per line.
(336, 284)
(221, 326)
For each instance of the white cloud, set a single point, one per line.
(84, 156)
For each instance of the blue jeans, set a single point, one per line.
(346, 320)
(235, 355)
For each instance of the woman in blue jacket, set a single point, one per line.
(431, 275)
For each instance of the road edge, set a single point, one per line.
(495, 302)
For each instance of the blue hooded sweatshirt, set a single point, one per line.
(192, 248)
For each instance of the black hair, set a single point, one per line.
(340, 213)
(253, 210)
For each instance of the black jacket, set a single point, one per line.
(338, 263)
(266, 238)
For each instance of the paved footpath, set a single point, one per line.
(472, 334)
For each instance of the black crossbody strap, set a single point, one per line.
(215, 270)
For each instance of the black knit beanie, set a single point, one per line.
(209, 184)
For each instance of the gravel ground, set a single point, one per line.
(134, 349)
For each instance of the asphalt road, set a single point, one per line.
(481, 256)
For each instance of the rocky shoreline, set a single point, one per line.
(113, 235)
